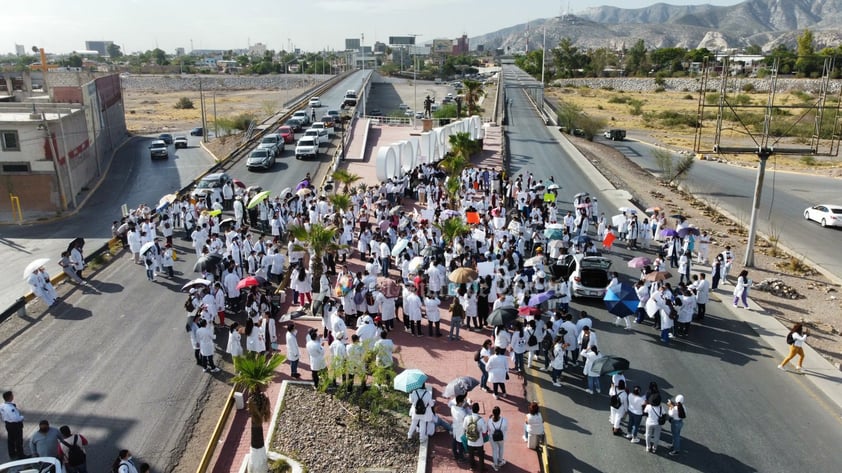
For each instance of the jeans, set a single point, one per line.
(665, 335)
(475, 452)
(443, 424)
(634, 423)
(457, 448)
(593, 383)
(496, 452)
(519, 362)
(701, 310)
(556, 375)
(385, 264)
(455, 325)
(483, 380)
(150, 274)
(293, 367)
(675, 429)
(653, 436)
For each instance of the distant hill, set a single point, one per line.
(766, 23)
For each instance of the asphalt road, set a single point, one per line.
(132, 179)
(288, 171)
(744, 415)
(784, 198)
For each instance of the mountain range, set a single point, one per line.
(765, 23)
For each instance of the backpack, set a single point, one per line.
(472, 430)
(478, 355)
(533, 340)
(682, 414)
(359, 296)
(790, 339)
(662, 418)
(420, 406)
(615, 401)
(188, 305)
(75, 455)
(497, 435)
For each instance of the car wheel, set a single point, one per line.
(824, 223)
(806, 215)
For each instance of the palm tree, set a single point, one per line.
(452, 228)
(346, 178)
(473, 92)
(461, 149)
(453, 189)
(254, 373)
(319, 239)
(341, 203)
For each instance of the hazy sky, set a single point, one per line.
(63, 25)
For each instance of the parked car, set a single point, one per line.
(208, 183)
(614, 135)
(314, 102)
(166, 138)
(307, 147)
(403, 106)
(198, 131)
(826, 214)
(272, 142)
(419, 114)
(30, 465)
(260, 158)
(303, 116)
(588, 275)
(287, 133)
(159, 150)
(180, 142)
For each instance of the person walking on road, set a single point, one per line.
(741, 289)
(795, 339)
(205, 337)
(636, 402)
(498, 368)
(677, 414)
(44, 441)
(533, 426)
(14, 425)
(124, 463)
(71, 450)
(497, 429)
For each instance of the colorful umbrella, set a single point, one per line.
(684, 231)
(212, 213)
(653, 209)
(344, 285)
(239, 183)
(621, 300)
(165, 201)
(527, 311)
(640, 262)
(657, 276)
(250, 281)
(258, 198)
(553, 234)
(668, 232)
(541, 297)
(409, 380)
(302, 185)
(463, 275)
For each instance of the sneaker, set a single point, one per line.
(557, 384)
(215, 370)
(654, 450)
(629, 436)
(781, 367)
(525, 438)
(635, 440)
(798, 368)
(736, 306)
(206, 370)
(502, 462)
(673, 452)
(597, 391)
(495, 397)
(588, 391)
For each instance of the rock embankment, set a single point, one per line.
(691, 84)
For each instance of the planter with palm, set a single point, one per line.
(319, 239)
(346, 178)
(452, 228)
(254, 373)
(341, 203)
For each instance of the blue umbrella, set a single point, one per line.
(540, 298)
(621, 300)
(554, 233)
(409, 380)
(580, 240)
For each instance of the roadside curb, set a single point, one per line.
(207, 150)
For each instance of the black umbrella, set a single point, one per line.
(611, 365)
(460, 386)
(678, 216)
(207, 262)
(77, 242)
(502, 316)
(432, 251)
(580, 240)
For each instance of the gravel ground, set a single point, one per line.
(820, 304)
(321, 432)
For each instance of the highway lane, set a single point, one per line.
(115, 365)
(785, 196)
(743, 413)
(133, 178)
(289, 171)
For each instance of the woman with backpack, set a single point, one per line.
(795, 339)
(656, 416)
(619, 405)
(123, 463)
(677, 414)
(497, 427)
(519, 345)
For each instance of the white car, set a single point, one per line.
(315, 102)
(588, 275)
(827, 215)
(35, 464)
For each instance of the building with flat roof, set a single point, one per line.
(99, 46)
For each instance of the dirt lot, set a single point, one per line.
(819, 304)
(617, 108)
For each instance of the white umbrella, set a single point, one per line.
(415, 264)
(286, 191)
(618, 220)
(553, 187)
(196, 283)
(146, 247)
(555, 226)
(535, 260)
(33, 266)
(400, 246)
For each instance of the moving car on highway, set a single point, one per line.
(273, 143)
(260, 158)
(158, 150)
(826, 214)
(287, 133)
(314, 102)
(307, 147)
(180, 142)
(166, 138)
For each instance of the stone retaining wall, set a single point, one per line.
(175, 82)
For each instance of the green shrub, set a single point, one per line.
(688, 97)
(748, 88)
(184, 103)
(619, 99)
(636, 107)
(808, 160)
(660, 89)
(672, 118)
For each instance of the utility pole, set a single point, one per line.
(215, 126)
(67, 160)
(763, 154)
(56, 165)
(543, 66)
(202, 106)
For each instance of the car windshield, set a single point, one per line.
(306, 142)
(206, 184)
(158, 145)
(269, 139)
(259, 153)
(285, 129)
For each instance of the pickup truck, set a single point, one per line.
(307, 147)
(615, 134)
(272, 142)
(350, 99)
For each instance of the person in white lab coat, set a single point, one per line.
(293, 353)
